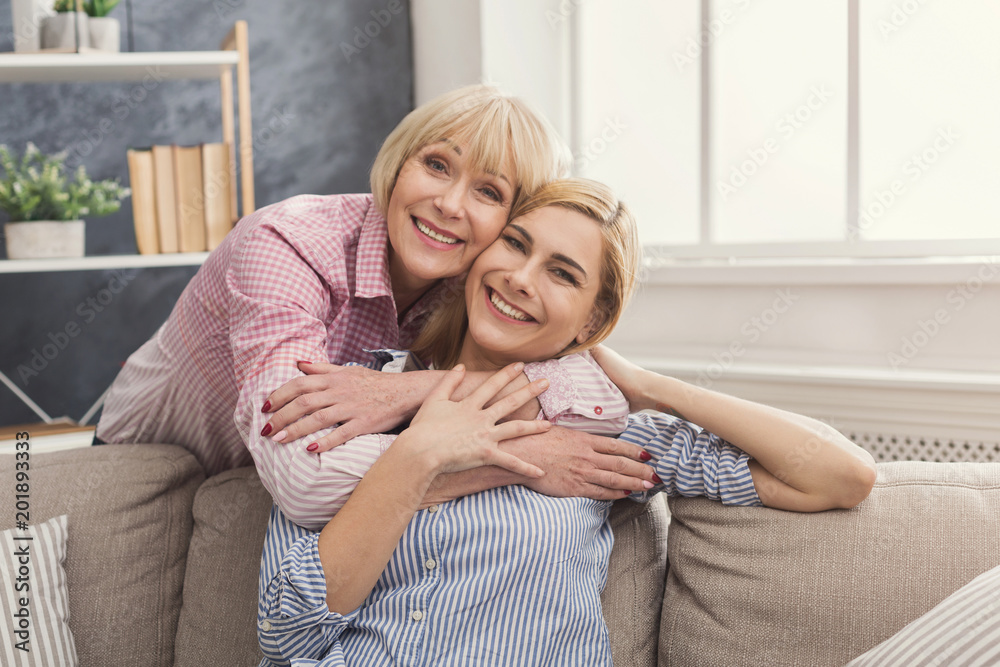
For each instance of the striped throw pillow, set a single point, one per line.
(34, 629)
(963, 630)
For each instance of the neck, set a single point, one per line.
(477, 359)
(406, 288)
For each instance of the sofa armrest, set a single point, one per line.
(753, 586)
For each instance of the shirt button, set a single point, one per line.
(432, 509)
(598, 410)
(417, 615)
(430, 564)
(266, 626)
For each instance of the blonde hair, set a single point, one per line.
(440, 341)
(492, 125)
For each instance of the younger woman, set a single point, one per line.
(510, 576)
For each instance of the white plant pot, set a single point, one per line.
(44, 238)
(62, 30)
(28, 16)
(105, 33)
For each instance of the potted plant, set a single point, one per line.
(67, 29)
(46, 206)
(105, 32)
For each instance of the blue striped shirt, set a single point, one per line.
(501, 577)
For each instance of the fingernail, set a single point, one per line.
(280, 436)
(647, 485)
(267, 406)
(313, 447)
(266, 430)
(656, 478)
(301, 361)
(626, 493)
(519, 366)
(644, 456)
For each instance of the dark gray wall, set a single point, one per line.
(320, 111)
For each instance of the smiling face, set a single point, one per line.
(532, 292)
(442, 214)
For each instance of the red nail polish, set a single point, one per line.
(644, 456)
(266, 431)
(626, 493)
(313, 447)
(656, 478)
(267, 406)
(303, 361)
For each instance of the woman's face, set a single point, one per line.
(532, 292)
(442, 214)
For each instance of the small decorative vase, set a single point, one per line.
(66, 30)
(44, 238)
(105, 33)
(28, 17)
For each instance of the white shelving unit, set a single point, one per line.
(233, 55)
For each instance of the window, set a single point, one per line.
(740, 127)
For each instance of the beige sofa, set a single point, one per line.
(162, 564)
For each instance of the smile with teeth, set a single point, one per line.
(507, 309)
(434, 235)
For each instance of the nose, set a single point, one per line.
(521, 279)
(451, 201)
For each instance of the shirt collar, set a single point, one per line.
(372, 271)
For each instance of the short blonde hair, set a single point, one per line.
(440, 341)
(491, 124)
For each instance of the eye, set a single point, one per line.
(514, 243)
(493, 194)
(565, 275)
(435, 163)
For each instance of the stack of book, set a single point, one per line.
(183, 197)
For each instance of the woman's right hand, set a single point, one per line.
(460, 435)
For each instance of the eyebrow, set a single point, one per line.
(458, 150)
(556, 255)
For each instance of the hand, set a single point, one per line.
(359, 399)
(628, 377)
(579, 464)
(460, 435)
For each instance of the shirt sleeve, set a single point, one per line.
(279, 316)
(292, 615)
(692, 461)
(580, 395)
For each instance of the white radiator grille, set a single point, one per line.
(886, 447)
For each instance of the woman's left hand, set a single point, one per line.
(359, 399)
(455, 435)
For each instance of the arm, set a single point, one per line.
(799, 463)
(361, 400)
(278, 312)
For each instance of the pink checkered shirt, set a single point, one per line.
(302, 279)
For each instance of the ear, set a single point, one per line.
(592, 325)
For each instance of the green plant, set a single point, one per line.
(36, 187)
(99, 8)
(95, 8)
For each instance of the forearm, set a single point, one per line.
(458, 484)
(356, 545)
(819, 466)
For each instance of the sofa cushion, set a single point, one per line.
(129, 523)
(35, 603)
(637, 569)
(757, 586)
(219, 617)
